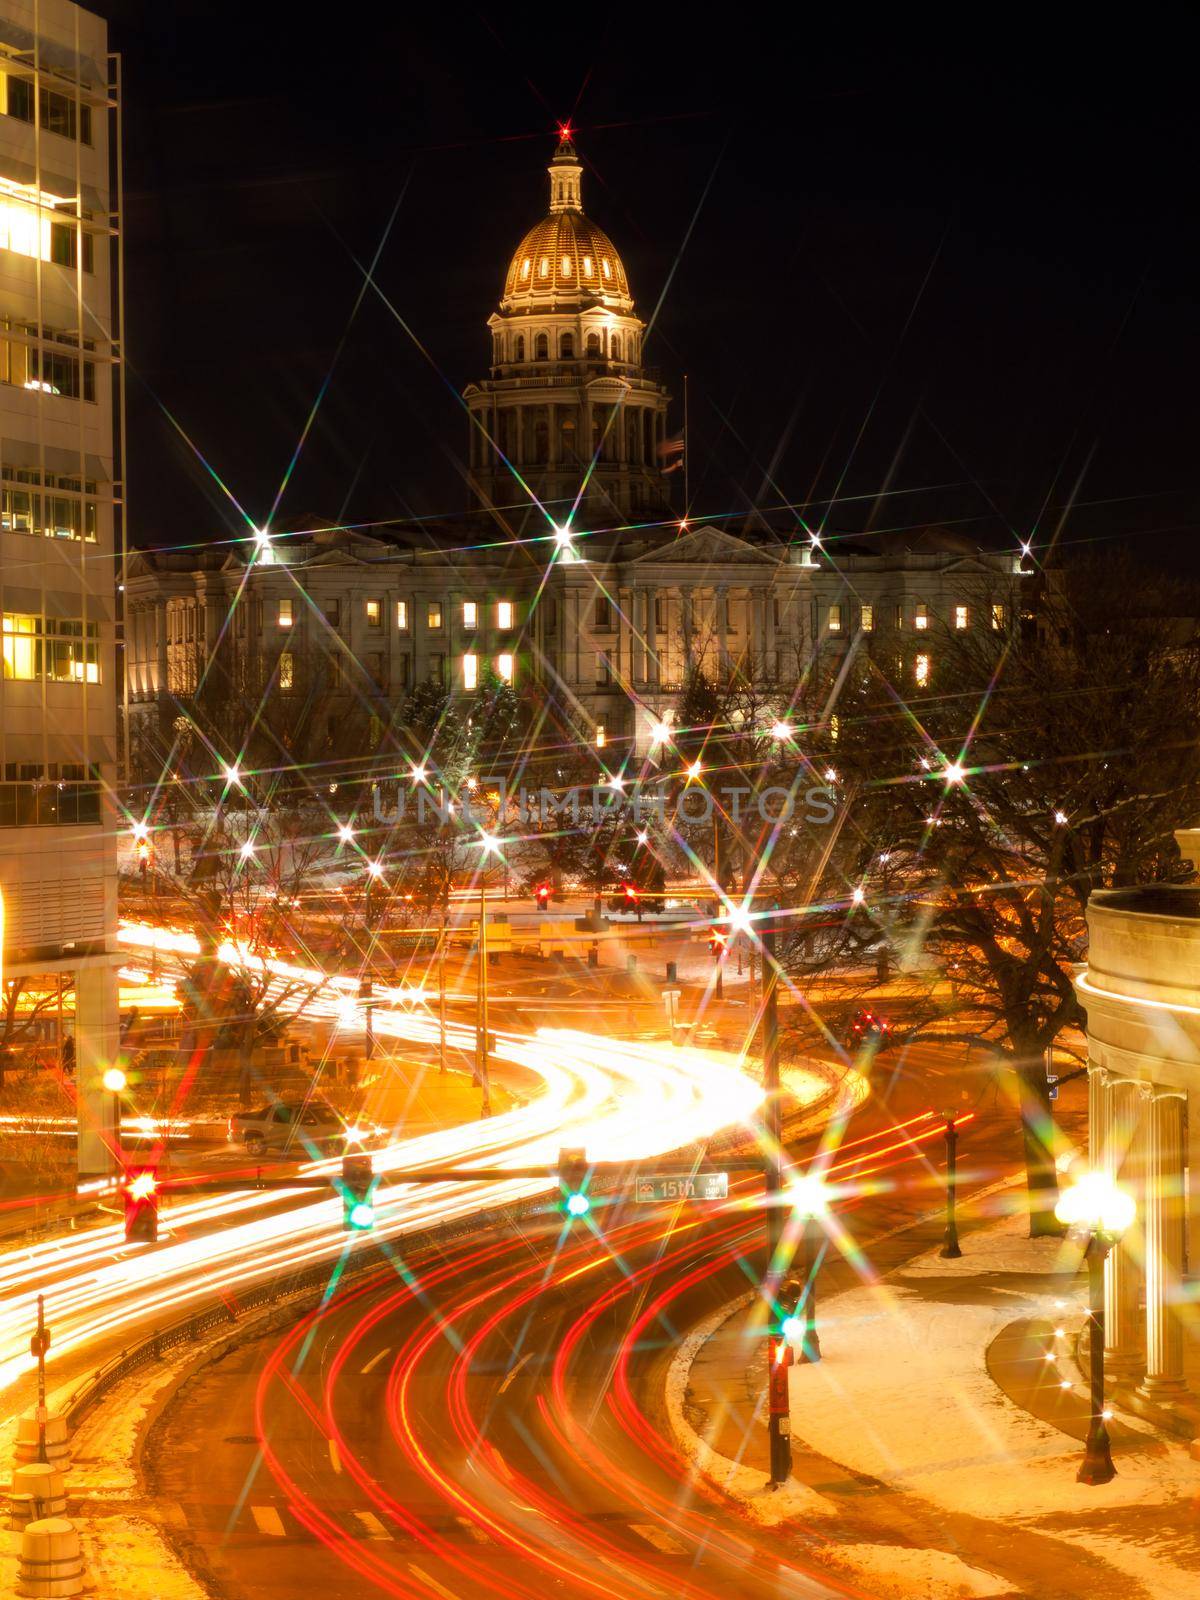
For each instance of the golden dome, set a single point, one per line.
(566, 258)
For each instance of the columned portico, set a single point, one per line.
(1141, 991)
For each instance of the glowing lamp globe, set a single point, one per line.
(1095, 1202)
(362, 1214)
(578, 1205)
(792, 1329)
(808, 1196)
(114, 1080)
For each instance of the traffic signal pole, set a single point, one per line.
(779, 1410)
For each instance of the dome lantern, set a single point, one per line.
(565, 174)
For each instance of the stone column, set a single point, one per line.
(1162, 1116)
(1113, 1115)
(687, 623)
(651, 600)
(721, 620)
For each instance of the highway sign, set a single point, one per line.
(701, 1186)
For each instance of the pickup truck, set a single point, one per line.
(293, 1126)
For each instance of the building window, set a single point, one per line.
(285, 614)
(287, 671)
(434, 615)
(403, 671)
(835, 619)
(377, 671)
(402, 615)
(587, 266)
(22, 646)
(526, 266)
(566, 346)
(660, 613)
(541, 347)
(603, 671)
(868, 619)
(519, 348)
(335, 673)
(921, 617)
(997, 617)
(504, 614)
(333, 613)
(470, 672)
(374, 613)
(504, 667)
(601, 736)
(921, 670)
(544, 267)
(68, 243)
(615, 348)
(470, 614)
(564, 267)
(962, 617)
(437, 669)
(605, 266)
(593, 344)
(603, 613)
(899, 617)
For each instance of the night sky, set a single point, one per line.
(954, 259)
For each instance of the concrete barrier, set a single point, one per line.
(38, 1490)
(51, 1560)
(58, 1448)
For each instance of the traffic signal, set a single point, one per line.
(139, 1187)
(631, 893)
(788, 1332)
(717, 941)
(572, 1178)
(143, 855)
(542, 895)
(358, 1193)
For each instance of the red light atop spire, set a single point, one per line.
(565, 133)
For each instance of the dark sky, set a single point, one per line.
(953, 258)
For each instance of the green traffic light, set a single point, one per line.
(578, 1205)
(362, 1215)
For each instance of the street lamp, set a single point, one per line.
(490, 845)
(808, 1197)
(1095, 1204)
(950, 1250)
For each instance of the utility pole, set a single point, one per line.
(441, 960)
(779, 1419)
(950, 1247)
(719, 949)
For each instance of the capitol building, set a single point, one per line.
(574, 574)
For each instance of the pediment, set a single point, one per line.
(705, 545)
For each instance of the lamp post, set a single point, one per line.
(114, 1081)
(950, 1249)
(489, 844)
(1096, 1206)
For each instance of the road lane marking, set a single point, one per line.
(659, 1538)
(374, 1528)
(474, 1531)
(431, 1583)
(375, 1360)
(335, 1460)
(267, 1520)
(514, 1370)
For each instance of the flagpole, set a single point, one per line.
(687, 499)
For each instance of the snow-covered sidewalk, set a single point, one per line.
(903, 1398)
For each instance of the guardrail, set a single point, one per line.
(187, 1330)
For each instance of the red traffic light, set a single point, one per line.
(717, 940)
(140, 1189)
(542, 894)
(630, 892)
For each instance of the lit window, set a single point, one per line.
(470, 614)
(997, 617)
(962, 616)
(22, 646)
(564, 266)
(544, 267)
(525, 266)
(470, 672)
(374, 613)
(600, 736)
(835, 727)
(587, 266)
(899, 616)
(434, 614)
(287, 671)
(607, 270)
(504, 666)
(504, 614)
(868, 619)
(921, 617)
(835, 619)
(285, 613)
(921, 669)
(402, 615)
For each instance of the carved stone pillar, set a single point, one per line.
(1113, 1115)
(1162, 1119)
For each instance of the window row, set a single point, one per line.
(597, 346)
(434, 614)
(588, 269)
(28, 229)
(837, 617)
(53, 516)
(59, 113)
(48, 805)
(62, 651)
(52, 371)
(376, 668)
